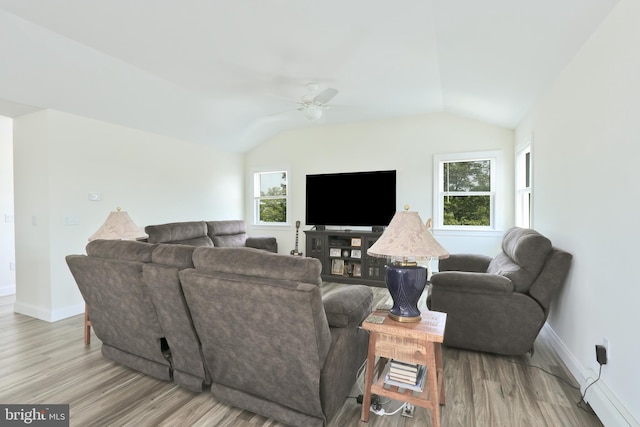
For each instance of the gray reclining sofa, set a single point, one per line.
(221, 234)
(250, 325)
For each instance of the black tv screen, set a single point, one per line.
(351, 199)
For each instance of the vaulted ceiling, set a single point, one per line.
(230, 73)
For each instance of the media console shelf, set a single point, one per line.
(344, 256)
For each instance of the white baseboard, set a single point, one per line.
(47, 314)
(610, 411)
(7, 290)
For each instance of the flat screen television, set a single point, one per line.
(351, 198)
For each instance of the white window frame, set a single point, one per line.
(524, 194)
(257, 197)
(496, 192)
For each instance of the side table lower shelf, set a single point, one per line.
(417, 398)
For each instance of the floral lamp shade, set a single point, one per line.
(119, 226)
(407, 237)
(405, 240)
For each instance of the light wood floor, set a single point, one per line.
(46, 363)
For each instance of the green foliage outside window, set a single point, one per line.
(461, 180)
(273, 210)
(467, 210)
(272, 203)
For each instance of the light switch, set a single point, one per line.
(71, 220)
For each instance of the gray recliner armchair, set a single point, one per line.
(499, 305)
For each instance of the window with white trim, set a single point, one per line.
(523, 187)
(271, 197)
(466, 191)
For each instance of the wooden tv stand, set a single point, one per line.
(344, 256)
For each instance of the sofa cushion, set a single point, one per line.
(180, 256)
(256, 262)
(227, 233)
(348, 307)
(526, 247)
(130, 250)
(263, 242)
(192, 233)
(524, 252)
(225, 228)
(233, 241)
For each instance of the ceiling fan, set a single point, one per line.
(314, 103)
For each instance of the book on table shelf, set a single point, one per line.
(413, 381)
(404, 378)
(410, 367)
(411, 372)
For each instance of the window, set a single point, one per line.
(523, 187)
(270, 197)
(466, 196)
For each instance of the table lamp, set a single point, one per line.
(406, 240)
(118, 226)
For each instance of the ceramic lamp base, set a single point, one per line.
(405, 285)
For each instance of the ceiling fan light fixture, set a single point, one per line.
(312, 113)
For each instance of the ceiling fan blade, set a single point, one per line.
(325, 96)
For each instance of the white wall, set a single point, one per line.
(406, 144)
(7, 243)
(586, 153)
(61, 158)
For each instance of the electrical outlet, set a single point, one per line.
(12, 265)
(407, 411)
(607, 347)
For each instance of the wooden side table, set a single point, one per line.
(418, 343)
(87, 326)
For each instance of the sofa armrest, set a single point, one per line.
(265, 243)
(348, 307)
(465, 262)
(478, 283)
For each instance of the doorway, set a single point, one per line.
(7, 228)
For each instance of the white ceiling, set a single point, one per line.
(229, 73)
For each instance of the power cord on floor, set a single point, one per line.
(581, 404)
(584, 405)
(379, 410)
(361, 385)
(376, 404)
(546, 372)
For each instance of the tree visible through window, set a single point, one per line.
(270, 196)
(465, 190)
(467, 193)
